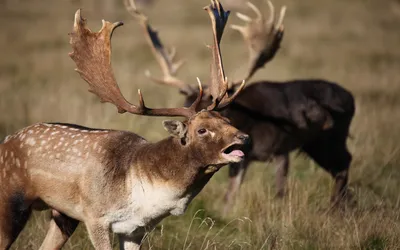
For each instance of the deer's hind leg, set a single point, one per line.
(61, 228)
(14, 213)
(282, 170)
(331, 153)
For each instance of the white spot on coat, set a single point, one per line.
(30, 141)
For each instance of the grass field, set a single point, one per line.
(353, 42)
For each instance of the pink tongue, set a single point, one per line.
(237, 153)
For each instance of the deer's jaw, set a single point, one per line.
(233, 152)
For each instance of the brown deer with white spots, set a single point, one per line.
(115, 180)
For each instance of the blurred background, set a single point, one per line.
(352, 42)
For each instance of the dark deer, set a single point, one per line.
(115, 180)
(310, 115)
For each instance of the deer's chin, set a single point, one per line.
(232, 153)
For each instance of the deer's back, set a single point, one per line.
(275, 99)
(266, 111)
(46, 160)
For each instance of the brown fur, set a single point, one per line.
(113, 179)
(83, 174)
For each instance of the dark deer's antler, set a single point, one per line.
(164, 57)
(219, 82)
(92, 55)
(263, 37)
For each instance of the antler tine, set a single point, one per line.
(244, 17)
(164, 57)
(272, 12)
(196, 103)
(133, 10)
(92, 56)
(230, 99)
(279, 24)
(219, 82)
(256, 10)
(263, 37)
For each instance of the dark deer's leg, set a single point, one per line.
(61, 228)
(237, 172)
(340, 187)
(340, 191)
(130, 242)
(335, 159)
(282, 170)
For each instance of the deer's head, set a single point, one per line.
(206, 132)
(210, 136)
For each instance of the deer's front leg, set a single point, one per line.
(340, 188)
(99, 235)
(130, 242)
(61, 228)
(282, 169)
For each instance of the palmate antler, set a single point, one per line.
(92, 55)
(219, 82)
(262, 36)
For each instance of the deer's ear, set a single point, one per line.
(175, 128)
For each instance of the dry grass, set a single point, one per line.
(352, 42)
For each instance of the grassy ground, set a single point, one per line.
(352, 42)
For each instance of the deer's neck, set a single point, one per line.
(160, 180)
(170, 163)
(166, 163)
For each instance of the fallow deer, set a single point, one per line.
(313, 116)
(115, 180)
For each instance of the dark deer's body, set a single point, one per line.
(311, 115)
(270, 113)
(272, 136)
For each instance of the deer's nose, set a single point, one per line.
(243, 137)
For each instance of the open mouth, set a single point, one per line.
(233, 152)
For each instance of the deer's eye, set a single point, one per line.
(201, 131)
